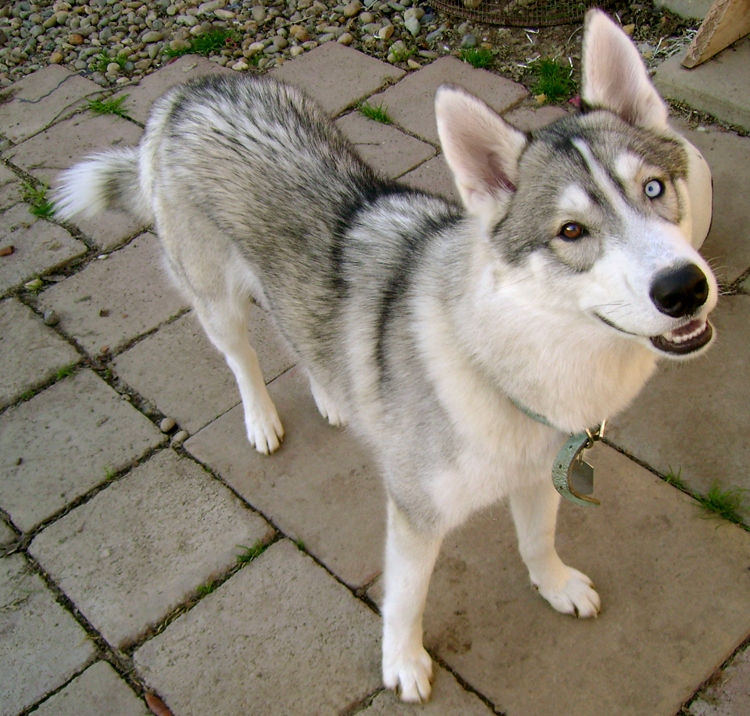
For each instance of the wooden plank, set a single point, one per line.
(726, 22)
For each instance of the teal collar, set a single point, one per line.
(572, 477)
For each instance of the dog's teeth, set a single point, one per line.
(682, 335)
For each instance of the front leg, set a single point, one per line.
(409, 561)
(534, 511)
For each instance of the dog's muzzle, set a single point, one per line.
(679, 292)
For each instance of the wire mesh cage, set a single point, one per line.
(523, 13)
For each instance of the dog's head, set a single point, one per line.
(604, 210)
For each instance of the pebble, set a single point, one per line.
(468, 41)
(167, 424)
(50, 318)
(412, 25)
(180, 437)
(386, 32)
(352, 8)
(56, 58)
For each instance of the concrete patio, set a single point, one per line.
(120, 541)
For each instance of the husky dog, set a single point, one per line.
(556, 287)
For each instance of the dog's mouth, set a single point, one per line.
(685, 339)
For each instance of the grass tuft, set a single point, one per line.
(207, 44)
(401, 54)
(66, 371)
(479, 57)
(376, 114)
(207, 588)
(109, 106)
(251, 553)
(36, 196)
(103, 59)
(553, 79)
(675, 479)
(726, 504)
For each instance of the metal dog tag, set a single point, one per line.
(581, 477)
(572, 477)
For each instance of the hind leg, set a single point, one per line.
(534, 511)
(225, 324)
(326, 407)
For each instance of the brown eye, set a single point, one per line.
(571, 231)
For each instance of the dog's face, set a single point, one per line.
(595, 209)
(610, 237)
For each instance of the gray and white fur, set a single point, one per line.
(565, 275)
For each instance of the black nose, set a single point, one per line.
(680, 291)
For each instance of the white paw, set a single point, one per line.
(409, 674)
(264, 430)
(571, 592)
(326, 407)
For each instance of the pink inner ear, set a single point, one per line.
(496, 176)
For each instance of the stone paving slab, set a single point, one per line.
(692, 419)
(142, 96)
(435, 177)
(728, 243)
(411, 102)
(728, 694)
(144, 545)
(321, 487)
(68, 142)
(113, 301)
(686, 8)
(179, 370)
(62, 442)
(448, 699)
(30, 352)
(6, 534)
(280, 637)
(10, 188)
(40, 246)
(42, 645)
(530, 116)
(337, 76)
(676, 603)
(96, 692)
(718, 86)
(39, 99)
(386, 149)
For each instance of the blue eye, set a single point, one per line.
(654, 189)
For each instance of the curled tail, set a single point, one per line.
(104, 181)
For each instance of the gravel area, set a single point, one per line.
(115, 42)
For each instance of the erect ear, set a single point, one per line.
(614, 76)
(481, 149)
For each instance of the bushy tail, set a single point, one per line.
(104, 181)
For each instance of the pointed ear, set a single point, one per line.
(481, 149)
(614, 76)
